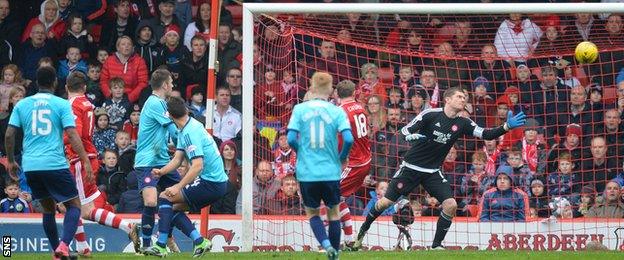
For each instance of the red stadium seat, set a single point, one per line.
(386, 74)
(237, 13)
(609, 95)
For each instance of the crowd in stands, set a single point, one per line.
(566, 162)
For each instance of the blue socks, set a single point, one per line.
(184, 224)
(147, 224)
(165, 213)
(49, 227)
(319, 231)
(70, 224)
(334, 233)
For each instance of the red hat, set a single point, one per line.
(503, 100)
(552, 20)
(574, 129)
(172, 28)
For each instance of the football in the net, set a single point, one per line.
(586, 52)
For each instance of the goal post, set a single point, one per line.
(251, 10)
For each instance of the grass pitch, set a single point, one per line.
(431, 255)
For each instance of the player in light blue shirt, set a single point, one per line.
(204, 183)
(155, 130)
(312, 132)
(43, 118)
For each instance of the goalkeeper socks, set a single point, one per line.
(147, 224)
(49, 227)
(165, 213)
(444, 222)
(184, 224)
(347, 224)
(334, 233)
(319, 232)
(372, 215)
(70, 223)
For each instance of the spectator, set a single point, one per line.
(571, 144)
(527, 83)
(285, 157)
(34, 50)
(453, 169)
(117, 106)
(126, 151)
(227, 204)
(598, 169)
(516, 39)
(515, 101)
(393, 142)
(613, 31)
(449, 70)
(194, 67)
(552, 40)
(131, 126)
(560, 183)
(534, 150)
(562, 208)
(234, 83)
(578, 111)
(521, 174)
(405, 80)
(126, 65)
(547, 98)
(370, 84)
(196, 104)
(103, 134)
(227, 120)
(378, 193)
(270, 95)
(613, 131)
(429, 81)
(53, 25)
(13, 203)
(612, 206)
(474, 183)
(483, 103)
(228, 49)
(418, 101)
(328, 61)
(376, 114)
(76, 36)
(101, 55)
(148, 48)
(65, 9)
(505, 203)
(583, 28)
(11, 77)
(237, 34)
(290, 89)
(396, 98)
(595, 98)
(538, 198)
(184, 12)
(94, 93)
(9, 32)
(162, 20)
(130, 200)
(464, 42)
(503, 106)
(200, 25)
(110, 179)
(122, 24)
(492, 68)
(265, 186)
(73, 62)
(173, 54)
(287, 200)
(16, 94)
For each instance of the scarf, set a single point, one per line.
(529, 154)
(435, 97)
(490, 165)
(516, 28)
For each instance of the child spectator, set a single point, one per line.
(513, 93)
(395, 98)
(94, 93)
(117, 106)
(406, 80)
(586, 201)
(196, 104)
(290, 88)
(77, 36)
(538, 199)
(483, 103)
(378, 193)
(102, 55)
(534, 150)
(504, 203)
(287, 200)
(126, 151)
(11, 77)
(560, 183)
(568, 75)
(475, 183)
(110, 179)
(595, 97)
(131, 125)
(104, 135)
(521, 175)
(65, 10)
(13, 203)
(561, 208)
(73, 62)
(130, 200)
(418, 101)
(285, 157)
(174, 53)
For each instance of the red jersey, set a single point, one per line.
(360, 153)
(85, 121)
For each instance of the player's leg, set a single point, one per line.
(163, 183)
(439, 187)
(82, 246)
(311, 196)
(330, 194)
(39, 192)
(147, 186)
(402, 183)
(351, 180)
(63, 189)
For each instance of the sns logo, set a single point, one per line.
(6, 246)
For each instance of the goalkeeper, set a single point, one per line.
(432, 134)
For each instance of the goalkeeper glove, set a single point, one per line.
(515, 121)
(413, 137)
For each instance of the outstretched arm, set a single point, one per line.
(492, 133)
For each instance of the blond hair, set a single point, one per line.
(321, 84)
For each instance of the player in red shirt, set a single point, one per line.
(358, 166)
(92, 203)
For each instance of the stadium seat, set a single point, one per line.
(386, 74)
(237, 13)
(609, 95)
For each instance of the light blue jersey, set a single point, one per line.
(195, 142)
(318, 123)
(43, 117)
(155, 127)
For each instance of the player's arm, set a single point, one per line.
(76, 143)
(513, 121)
(410, 131)
(292, 139)
(347, 142)
(293, 129)
(177, 160)
(9, 147)
(197, 165)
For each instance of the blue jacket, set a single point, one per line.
(504, 206)
(64, 70)
(560, 184)
(17, 205)
(371, 203)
